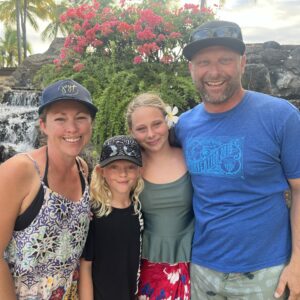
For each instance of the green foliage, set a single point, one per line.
(112, 103)
(18, 13)
(9, 48)
(178, 91)
(118, 52)
(49, 73)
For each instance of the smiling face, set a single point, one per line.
(68, 126)
(121, 177)
(149, 128)
(216, 72)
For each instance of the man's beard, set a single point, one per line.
(232, 86)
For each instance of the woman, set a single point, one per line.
(166, 203)
(44, 201)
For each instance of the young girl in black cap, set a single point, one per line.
(110, 264)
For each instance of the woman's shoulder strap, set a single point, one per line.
(82, 165)
(34, 163)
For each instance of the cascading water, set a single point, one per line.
(18, 117)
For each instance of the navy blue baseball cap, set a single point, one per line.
(215, 33)
(67, 89)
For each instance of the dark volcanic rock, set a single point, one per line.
(274, 69)
(25, 73)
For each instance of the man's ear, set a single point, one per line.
(243, 63)
(191, 70)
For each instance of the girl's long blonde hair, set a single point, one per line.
(101, 195)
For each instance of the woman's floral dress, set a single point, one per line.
(44, 257)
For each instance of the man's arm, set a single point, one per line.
(174, 142)
(290, 277)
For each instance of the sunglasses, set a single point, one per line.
(221, 32)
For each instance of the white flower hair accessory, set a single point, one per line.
(171, 119)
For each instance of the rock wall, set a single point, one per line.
(274, 69)
(25, 73)
(5, 85)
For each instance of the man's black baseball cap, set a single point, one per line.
(215, 33)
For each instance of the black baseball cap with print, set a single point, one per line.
(67, 89)
(120, 147)
(215, 33)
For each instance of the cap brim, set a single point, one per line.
(92, 108)
(121, 157)
(234, 44)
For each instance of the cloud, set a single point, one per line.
(239, 3)
(265, 20)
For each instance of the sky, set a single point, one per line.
(260, 20)
(267, 20)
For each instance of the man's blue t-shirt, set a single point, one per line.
(239, 162)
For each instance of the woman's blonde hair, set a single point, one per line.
(101, 195)
(146, 99)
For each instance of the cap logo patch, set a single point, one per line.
(114, 150)
(69, 89)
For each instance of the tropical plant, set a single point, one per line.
(134, 33)
(14, 12)
(55, 26)
(119, 51)
(9, 48)
(18, 13)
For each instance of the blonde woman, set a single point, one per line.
(166, 203)
(110, 265)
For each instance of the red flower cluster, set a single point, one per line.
(148, 49)
(148, 35)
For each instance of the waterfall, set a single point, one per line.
(22, 98)
(18, 117)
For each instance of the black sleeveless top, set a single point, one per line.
(25, 219)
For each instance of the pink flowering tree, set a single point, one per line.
(140, 33)
(122, 50)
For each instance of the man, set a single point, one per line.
(242, 151)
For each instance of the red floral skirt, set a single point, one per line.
(163, 281)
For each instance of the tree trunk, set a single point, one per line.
(24, 33)
(18, 31)
(202, 4)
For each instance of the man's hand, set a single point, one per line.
(289, 278)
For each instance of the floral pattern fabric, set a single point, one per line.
(44, 257)
(163, 281)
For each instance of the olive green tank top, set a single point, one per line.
(169, 220)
